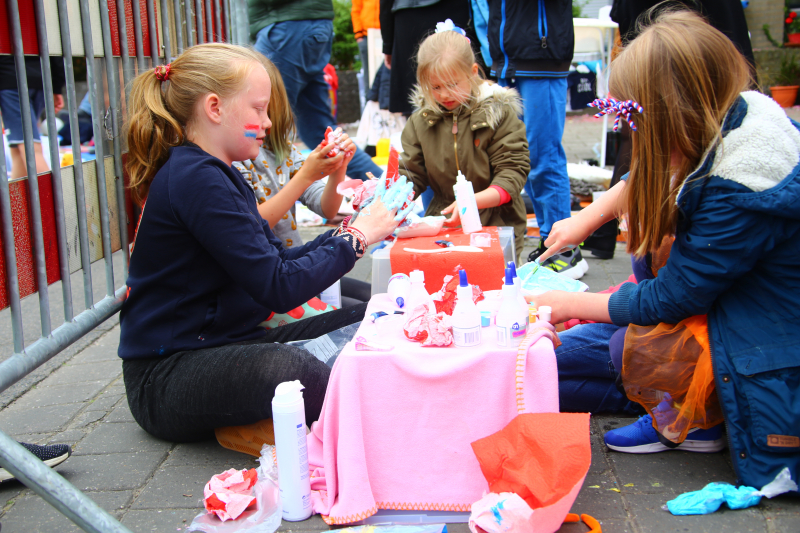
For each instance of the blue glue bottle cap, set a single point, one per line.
(400, 301)
(462, 277)
(509, 277)
(513, 268)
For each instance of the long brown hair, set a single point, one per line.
(282, 132)
(159, 113)
(686, 75)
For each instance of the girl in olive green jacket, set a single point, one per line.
(465, 123)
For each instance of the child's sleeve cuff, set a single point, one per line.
(619, 305)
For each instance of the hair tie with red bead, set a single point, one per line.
(162, 72)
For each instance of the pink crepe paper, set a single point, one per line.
(230, 493)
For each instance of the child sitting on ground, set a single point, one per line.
(464, 123)
(281, 176)
(711, 338)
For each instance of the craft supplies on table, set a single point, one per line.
(394, 259)
(396, 427)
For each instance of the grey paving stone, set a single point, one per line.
(110, 471)
(120, 413)
(87, 417)
(171, 483)
(785, 522)
(8, 491)
(74, 373)
(120, 438)
(208, 452)
(32, 513)
(37, 420)
(160, 520)
(313, 524)
(43, 396)
(648, 515)
(786, 504)
(598, 500)
(105, 401)
(70, 436)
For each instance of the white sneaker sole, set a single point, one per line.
(5, 475)
(696, 446)
(577, 271)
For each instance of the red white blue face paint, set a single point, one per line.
(251, 131)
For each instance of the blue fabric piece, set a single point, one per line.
(301, 49)
(711, 497)
(480, 20)
(206, 269)
(586, 376)
(545, 102)
(426, 196)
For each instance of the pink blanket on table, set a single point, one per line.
(396, 427)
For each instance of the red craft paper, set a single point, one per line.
(539, 456)
(484, 269)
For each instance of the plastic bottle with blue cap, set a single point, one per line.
(291, 448)
(510, 323)
(399, 289)
(466, 317)
(419, 294)
(523, 305)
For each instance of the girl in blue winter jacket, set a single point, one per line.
(712, 338)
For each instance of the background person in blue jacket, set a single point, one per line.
(531, 44)
(717, 167)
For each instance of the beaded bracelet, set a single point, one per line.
(355, 239)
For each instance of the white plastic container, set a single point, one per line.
(545, 313)
(419, 295)
(289, 419)
(467, 207)
(523, 304)
(509, 324)
(333, 295)
(399, 289)
(466, 317)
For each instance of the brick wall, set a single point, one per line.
(761, 12)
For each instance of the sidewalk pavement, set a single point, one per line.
(154, 485)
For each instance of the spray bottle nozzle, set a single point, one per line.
(462, 278)
(512, 266)
(509, 277)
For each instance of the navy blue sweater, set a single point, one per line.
(206, 269)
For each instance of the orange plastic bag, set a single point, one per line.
(542, 457)
(667, 369)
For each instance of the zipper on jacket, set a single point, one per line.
(455, 139)
(543, 23)
(724, 416)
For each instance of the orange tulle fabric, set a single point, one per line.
(667, 369)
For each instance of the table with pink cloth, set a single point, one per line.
(396, 426)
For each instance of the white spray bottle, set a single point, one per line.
(509, 324)
(289, 420)
(466, 317)
(467, 207)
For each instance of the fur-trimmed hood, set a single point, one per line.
(492, 99)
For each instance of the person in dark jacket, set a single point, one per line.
(297, 35)
(713, 197)
(10, 107)
(404, 25)
(531, 44)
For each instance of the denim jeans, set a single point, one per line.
(586, 375)
(545, 105)
(301, 49)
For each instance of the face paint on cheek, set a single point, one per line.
(251, 131)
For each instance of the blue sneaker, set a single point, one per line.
(641, 437)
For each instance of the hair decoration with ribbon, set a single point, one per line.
(622, 109)
(449, 25)
(162, 72)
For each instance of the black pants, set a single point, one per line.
(185, 396)
(355, 292)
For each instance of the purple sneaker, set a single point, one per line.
(641, 437)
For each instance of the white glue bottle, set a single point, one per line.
(523, 305)
(466, 317)
(399, 289)
(289, 420)
(510, 325)
(419, 295)
(467, 207)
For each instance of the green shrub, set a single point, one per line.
(345, 47)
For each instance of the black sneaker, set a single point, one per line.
(537, 252)
(51, 455)
(569, 263)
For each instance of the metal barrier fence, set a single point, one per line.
(59, 222)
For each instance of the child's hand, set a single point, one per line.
(319, 165)
(348, 151)
(560, 301)
(375, 221)
(565, 233)
(454, 220)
